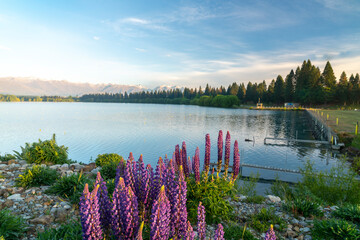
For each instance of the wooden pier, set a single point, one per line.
(259, 167)
(293, 140)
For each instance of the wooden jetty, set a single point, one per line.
(292, 140)
(259, 167)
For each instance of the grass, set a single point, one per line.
(12, 227)
(335, 229)
(262, 220)
(254, 199)
(347, 120)
(236, 232)
(66, 231)
(349, 213)
(37, 176)
(70, 187)
(6, 157)
(304, 207)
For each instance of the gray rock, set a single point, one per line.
(273, 199)
(305, 229)
(307, 237)
(3, 166)
(15, 197)
(333, 208)
(294, 221)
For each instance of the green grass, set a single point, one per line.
(254, 199)
(304, 207)
(334, 229)
(347, 120)
(262, 220)
(37, 176)
(12, 227)
(66, 231)
(6, 157)
(349, 213)
(236, 232)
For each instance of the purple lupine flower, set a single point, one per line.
(105, 204)
(160, 217)
(120, 170)
(184, 160)
(131, 157)
(172, 192)
(236, 164)
(116, 209)
(177, 156)
(174, 161)
(159, 180)
(150, 173)
(227, 153)
(201, 224)
(220, 151)
(129, 213)
(179, 216)
(142, 185)
(189, 235)
(139, 234)
(166, 160)
(190, 165)
(128, 175)
(197, 165)
(270, 234)
(219, 233)
(90, 216)
(207, 155)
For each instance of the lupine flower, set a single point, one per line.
(116, 209)
(120, 170)
(131, 157)
(197, 165)
(90, 216)
(159, 179)
(190, 165)
(129, 213)
(166, 160)
(104, 202)
(150, 173)
(219, 233)
(201, 225)
(139, 234)
(220, 151)
(189, 235)
(270, 234)
(236, 164)
(177, 156)
(184, 160)
(128, 175)
(160, 217)
(207, 155)
(227, 152)
(179, 213)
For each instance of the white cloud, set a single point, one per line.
(140, 50)
(341, 5)
(96, 38)
(135, 21)
(4, 48)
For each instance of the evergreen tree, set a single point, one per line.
(289, 86)
(241, 93)
(279, 90)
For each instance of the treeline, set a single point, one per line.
(13, 98)
(307, 86)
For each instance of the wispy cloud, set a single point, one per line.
(135, 21)
(96, 38)
(140, 50)
(4, 48)
(340, 5)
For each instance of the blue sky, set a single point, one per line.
(184, 43)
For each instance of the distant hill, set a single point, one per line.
(37, 87)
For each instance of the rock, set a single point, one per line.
(55, 166)
(305, 229)
(4, 192)
(96, 170)
(22, 162)
(44, 220)
(89, 167)
(297, 229)
(301, 237)
(60, 215)
(7, 204)
(273, 199)
(12, 161)
(295, 221)
(29, 199)
(307, 237)
(290, 233)
(333, 208)
(3, 166)
(15, 197)
(64, 167)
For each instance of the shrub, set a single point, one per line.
(304, 207)
(248, 185)
(335, 229)
(108, 171)
(282, 190)
(37, 176)
(356, 142)
(66, 231)
(70, 187)
(349, 213)
(255, 199)
(337, 186)
(6, 157)
(262, 220)
(214, 197)
(236, 232)
(104, 159)
(44, 152)
(11, 227)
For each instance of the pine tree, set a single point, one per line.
(279, 90)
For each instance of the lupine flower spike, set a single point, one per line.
(270, 234)
(236, 164)
(219, 233)
(160, 217)
(90, 216)
(201, 225)
(104, 202)
(180, 213)
(220, 152)
(139, 234)
(197, 165)
(207, 156)
(189, 235)
(227, 153)
(184, 160)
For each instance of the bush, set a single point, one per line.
(282, 190)
(67, 231)
(356, 142)
(44, 152)
(37, 176)
(11, 227)
(254, 199)
(108, 171)
(6, 157)
(337, 186)
(213, 195)
(236, 232)
(262, 220)
(70, 187)
(248, 185)
(349, 213)
(335, 229)
(304, 207)
(107, 158)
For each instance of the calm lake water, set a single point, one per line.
(89, 129)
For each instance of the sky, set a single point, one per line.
(182, 43)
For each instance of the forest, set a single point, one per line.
(306, 85)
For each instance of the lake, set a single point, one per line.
(89, 129)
